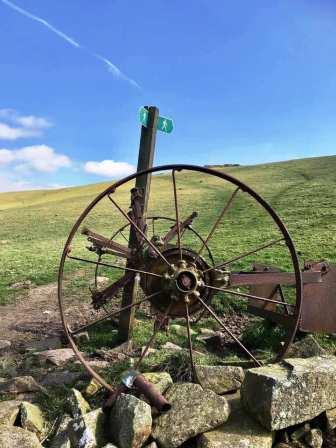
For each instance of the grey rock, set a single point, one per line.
(181, 330)
(305, 348)
(291, 392)
(110, 445)
(161, 380)
(171, 346)
(240, 431)
(25, 284)
(92, 388)
(9, 410)
(61, 438)
(314, 438)
(62, 377)
(15, 437)
(77, 404)
(4, 345)
(331, 418)
(300, 432)
(88, 431)
(20, 384)
(130, 422)
(193, 412)
(32, 418)
(82, 337)
(58, 357)
(44, 344)
(220, 379)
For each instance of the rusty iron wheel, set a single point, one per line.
(180, 281)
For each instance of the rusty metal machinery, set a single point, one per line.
(178, 272)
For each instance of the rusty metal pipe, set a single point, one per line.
(154, 397)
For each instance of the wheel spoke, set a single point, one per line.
(218, 220)
(249, 296)
(123, 268)
(192, 362)
(113, 313)
(245, 254)
(155, 332)
(139, 230)
(242, 346)
(177, 215)
(124, 237)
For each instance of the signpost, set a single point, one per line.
(163, 124)
(151, 122)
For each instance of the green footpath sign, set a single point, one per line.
(163, 124)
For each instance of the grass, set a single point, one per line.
(34, 225)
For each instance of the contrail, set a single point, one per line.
(110, 66)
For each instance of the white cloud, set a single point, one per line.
(41, 158)
(109, 168)
(32, 122)
(17, 126)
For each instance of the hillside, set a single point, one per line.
(35, 224)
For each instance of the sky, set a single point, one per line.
(244, 82)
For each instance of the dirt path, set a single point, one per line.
(34, 315)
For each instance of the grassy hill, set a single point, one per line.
(35, 224)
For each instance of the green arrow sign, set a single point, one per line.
(143, 114)
(163, 124)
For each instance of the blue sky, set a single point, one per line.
(245, 82)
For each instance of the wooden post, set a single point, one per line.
(145, 161)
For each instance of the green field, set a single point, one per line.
(34, 224)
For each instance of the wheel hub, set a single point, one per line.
(182, 281)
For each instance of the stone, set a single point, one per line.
(4, 345)
(161, 380)
(77, 404)
(331, 418)
(20, 384)
(82, 338)
(220, 379)
(92, 388)
(314, 438)
(171, 346)
(88, 431)
(9, 410)
(130, 422)
(207, 332)
(65, 377)
(110, 445)
(305, 348)
(152, 445)
(58, 357)
(102, 282)
(15, 437)
(97, 364)
(61, 438)
(290, 392)
(300, 432)
(193, 411)
(32, 418)
(110, 354)
(44, 344)
(25, 284)
(240, 431)
(181, 330)
(148, 350)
